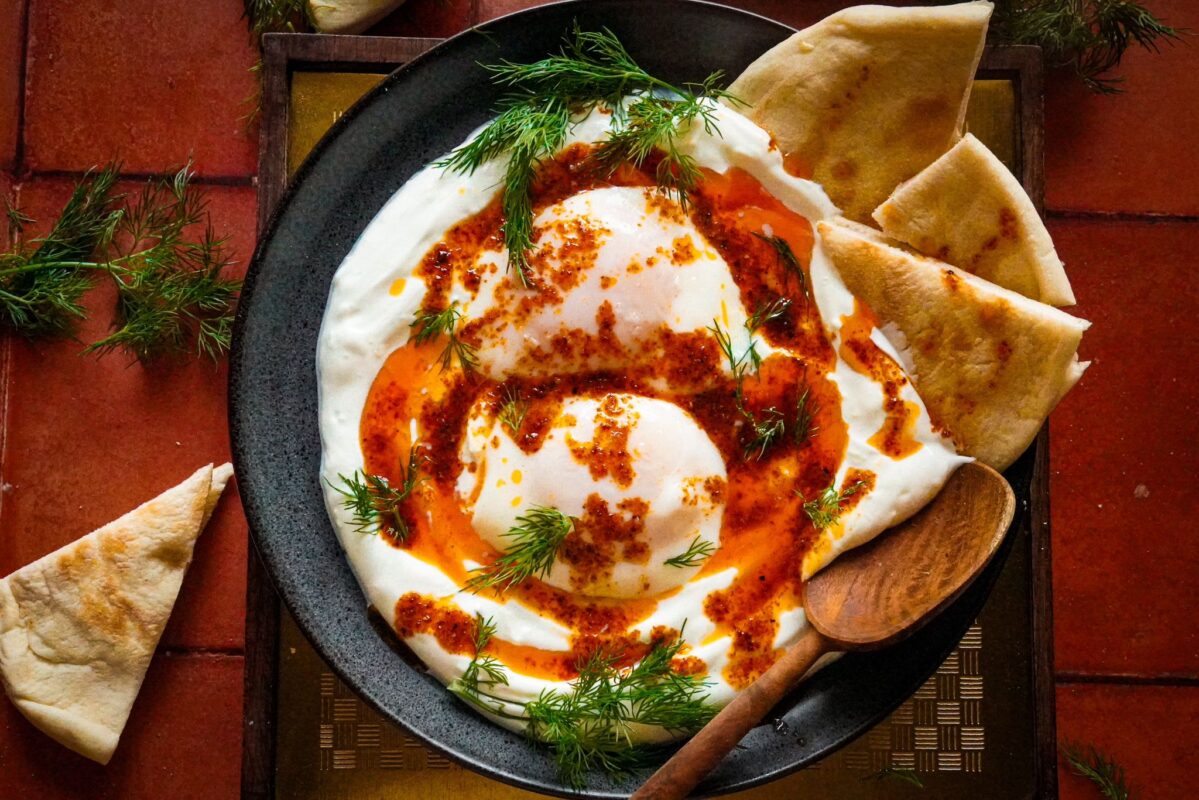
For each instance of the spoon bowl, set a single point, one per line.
(869, 598)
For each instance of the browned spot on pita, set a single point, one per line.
(844, 169)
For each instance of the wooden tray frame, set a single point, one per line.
(285, 53)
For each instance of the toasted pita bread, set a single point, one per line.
(968, 210)
(869, 96)
(989, 364)
(348, 16)
(78, 627)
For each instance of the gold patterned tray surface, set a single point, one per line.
(965, 733)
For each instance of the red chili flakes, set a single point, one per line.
(682, 251)
(455, 629)
(607, 454)
(601, 538)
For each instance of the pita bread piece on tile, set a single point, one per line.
(78, 627)
(869, 96)
(349, 16)
(967, 209)
(989, 364)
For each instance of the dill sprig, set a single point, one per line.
(697, 553)
(825, 510)
(1099, 769)
(265, 16)
(805, 413)
(537, 536)
(172, 292)
(790, 263)
(766, 431)
(767, 312)
(739, 364)
(592, 68)
(374, 502)
(483, 671)
(896, 773)
(513, 411)
(589, 727)
(1089, 37)
(430, 324)
(652, 123)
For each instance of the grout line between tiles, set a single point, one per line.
(213, 652)
(22, 91)
(197, 180)
(1119, 216)
(1129, 679)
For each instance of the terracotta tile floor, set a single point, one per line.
(154, 83)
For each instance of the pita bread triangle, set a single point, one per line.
(869, 96)
(78, 626)
(989, 364)
(967, 209)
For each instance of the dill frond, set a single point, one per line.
(825, 510)
(513, 411)
(432, 324)
(696, 553)
(1089, 37)
(592, 68)
(589, 726)
(789, 261)
(805, 413)
(536, 537)
(1099, 769)
(172, 291)
(374, 503)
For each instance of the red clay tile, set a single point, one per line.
(12, 42)
(91, 437)
(183, 741)
(1125, 445)
(1149, 730)
(438, 18)
(1135, 151)
(142, 81)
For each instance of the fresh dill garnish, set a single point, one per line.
(896, 773)
(697, 553)
(1099, 769)
(483, 671)
(787, 258)
(739, 365)
(537, 536)
(825, 510)
(651, 123)
(592, 68)
(513, 411)
(431, 324)
(265, 16)
(805, 413)
(767, 312)
(590, 726)
(766, 431)
(172, 293)
(374, 502)
(1088, 36)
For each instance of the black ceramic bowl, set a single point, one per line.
(414, 116)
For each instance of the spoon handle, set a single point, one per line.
(698, 757)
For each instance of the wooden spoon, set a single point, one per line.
(868, 598)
